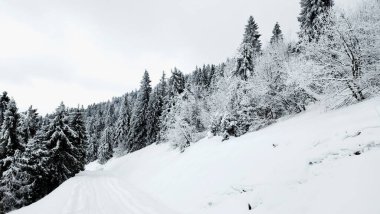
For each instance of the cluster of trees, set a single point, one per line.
(336, 60)
(37, 153)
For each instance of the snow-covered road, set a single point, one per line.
(96, 192)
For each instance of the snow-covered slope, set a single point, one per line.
(316, 162)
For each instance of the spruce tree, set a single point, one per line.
(9, 141)
(138, 129)
(28, 179)
(311, 12)
(252, 36)
(123, 124)
(153, 116)
(277, 36)
(29, 125)
(155, 110)
(105, 150)
(80, 139)
(176, 82)
(249, 49)
(64, 151)
(4, 100)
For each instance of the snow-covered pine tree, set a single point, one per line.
(4, 99)
(277, 36)
(157, 102)
(9, 146)
(138, 127)
(29, 125)
(28, 179)
(92, 142)
(110, 122)
(249, 49)
(122, 124)
(310, 16)
(9, 140)
(252, 36)
(10, 184)
(80, 140)
(64, 151)
(176, 82)
(153, 115)
(105, 150)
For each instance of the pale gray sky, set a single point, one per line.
(86, 51)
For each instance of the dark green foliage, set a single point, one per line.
(155, 109)
(311, 12)
(9, 141)
(65, 148)
(252, 36)
(249, 49)
(138, 129)
(4, 99)
(277, 36)
(29, 125)
(123, 124)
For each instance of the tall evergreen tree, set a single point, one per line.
(4, 99)
(80, 139)
(252, 36)
(123, 124)
(176, 82)
(277, 36)
(311, 11)
(138, 129)
(9, 141)
(29, 125)
(105, 150)
(153, 115)
(249, 49)
(157, 102)
(9, 147)
(64, 151)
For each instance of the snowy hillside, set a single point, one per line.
(317, 162)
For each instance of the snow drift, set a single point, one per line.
(315, 162)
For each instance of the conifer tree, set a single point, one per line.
(28, 179)
(80, 139)
(138, 129)
(4, 99)
(153, 115)
(311, 12)
(277, 36)
(252, 36)
(105, 150)
(122, 124)
(176, 82)
(157, 102)
(29, 125)
(249, 49)
(9, 141)
(64, 151)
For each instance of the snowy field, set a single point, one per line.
(316, 162)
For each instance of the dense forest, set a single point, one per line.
(336, 61)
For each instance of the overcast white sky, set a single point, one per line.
(86, 51)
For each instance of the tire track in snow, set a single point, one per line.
(98, 193)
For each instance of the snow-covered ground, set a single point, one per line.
(316, 162)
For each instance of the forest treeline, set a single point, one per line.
(336, 60)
